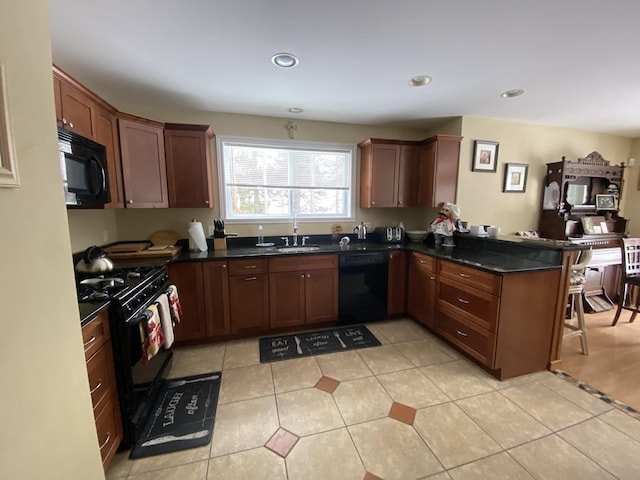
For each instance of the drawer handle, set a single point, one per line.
(422, 261)
(106, 441)
(250, 266)
(461, 333)
(248, 279)
(432, 277)
(96, 387)
(464, 275)
(90, 341)
(462, 300)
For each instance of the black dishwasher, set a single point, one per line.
(362, 287)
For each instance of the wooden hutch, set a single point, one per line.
(580, 203)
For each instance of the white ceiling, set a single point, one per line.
(576, 59)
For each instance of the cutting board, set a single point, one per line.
(127, 247)
(169, 251)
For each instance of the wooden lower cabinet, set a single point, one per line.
(303, 290)
(397, 285)
(421, 289)
(504, 321)
(102, 384)
(203, 288)
(248, 295)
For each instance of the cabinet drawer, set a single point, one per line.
(249, 266)
(424, 262)
(95, 334)
(472, 339)
(304, 262)
(470, 276)
(100, 374)
(109, 430)
(471, 303)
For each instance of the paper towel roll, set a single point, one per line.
(197, 240)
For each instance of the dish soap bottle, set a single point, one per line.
(260, 236)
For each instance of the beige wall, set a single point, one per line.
(480, 195)
(48, 429)
(138, 224)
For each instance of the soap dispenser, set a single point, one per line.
(260, 236)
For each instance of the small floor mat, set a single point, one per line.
(284, 347)
(182, 417)
(598, 394)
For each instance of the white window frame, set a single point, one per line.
(265, 142)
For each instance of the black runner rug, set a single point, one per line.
(182, 417)
(284, 347)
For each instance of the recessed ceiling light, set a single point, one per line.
(284, 60)
(516, 92)
(420, 80)
(295, 110)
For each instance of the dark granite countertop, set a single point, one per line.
(504, 254)
(89, 310)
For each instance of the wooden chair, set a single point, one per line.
(576, 287)
(630, 278)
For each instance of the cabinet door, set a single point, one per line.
(107, 135)
(143, 164)
(187, 149)
(77, 111)
(397, 283)
(409, 176)
(249, 302)
(421, 293)
(321, 293)
(189, 280)
(439, 158)
(216, 298)
(286, 298)
(379, 175)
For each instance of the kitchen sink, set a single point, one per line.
(298, 249)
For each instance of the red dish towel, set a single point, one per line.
(165, 320)
(151, 333)
(174, 302)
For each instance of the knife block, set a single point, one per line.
(219, 243)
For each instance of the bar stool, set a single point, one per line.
(576, 287)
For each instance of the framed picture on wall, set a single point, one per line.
(485, 156)
(515, 177)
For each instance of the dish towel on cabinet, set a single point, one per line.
(150, 333)
(165, 320)
(174, 301)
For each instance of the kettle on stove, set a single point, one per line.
(94, 261)
(361, 231)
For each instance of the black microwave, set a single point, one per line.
(84, 170)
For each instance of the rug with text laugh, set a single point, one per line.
(183, 416)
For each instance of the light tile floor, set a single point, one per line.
(413, 408)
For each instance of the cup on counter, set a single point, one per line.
(493, 231)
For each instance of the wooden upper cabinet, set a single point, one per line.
(409, 176)
(396, 173)
(439, 160)
(379, 168)
(107, 135)
(75, 109)
(144, 170)
(188, 159)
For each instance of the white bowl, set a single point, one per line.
(416, 235)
